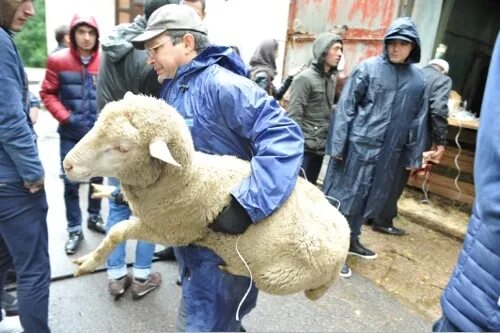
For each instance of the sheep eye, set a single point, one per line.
(121, 149)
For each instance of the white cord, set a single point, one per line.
(457, 156)
(329, 197)
(304, 173)
(251, 281)
(425, 187)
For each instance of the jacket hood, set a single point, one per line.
(221, 55)
(405, 28)
(264, 59)
(79, 20)
(9, 8)
(118, 43)
(320, 48)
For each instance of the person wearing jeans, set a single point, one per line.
(144, 280)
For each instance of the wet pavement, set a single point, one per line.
(83, 305)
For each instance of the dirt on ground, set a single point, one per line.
(415, 268)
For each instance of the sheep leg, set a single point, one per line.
(128, 229)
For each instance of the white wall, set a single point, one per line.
(58, 12)
(245, 23)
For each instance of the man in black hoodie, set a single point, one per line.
(311, 100)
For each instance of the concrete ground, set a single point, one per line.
(398, 291)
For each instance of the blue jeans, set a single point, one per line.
(312, 166)
(444, 325)
(24, 245)
(143, 251)
(210, 297)
(71, 196)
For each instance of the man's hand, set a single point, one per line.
(232, 220)
(102, 191)
(437, 154)
(296, 70)
(35, 186)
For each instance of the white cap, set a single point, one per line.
(441, 63)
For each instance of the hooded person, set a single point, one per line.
(312, 100)
(379, 120)
(227, 115)
(263, 69)
(23, 203)
(124, 68)
(69, 94)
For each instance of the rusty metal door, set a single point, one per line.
(367, 22)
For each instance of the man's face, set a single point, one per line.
(333, 55)
(399, 50)
(23, 13)
(165, 57)
(85, 38)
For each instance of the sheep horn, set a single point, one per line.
(158, 148)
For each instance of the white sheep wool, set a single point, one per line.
(176, 193)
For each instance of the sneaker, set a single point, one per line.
(10, 324)
(141, 288)
(345, 272)
(95, 222)
(9, 304)
(73, 242)
(166, 254)
(117, 287)
(356, 249)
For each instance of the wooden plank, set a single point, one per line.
(472, 124)
(446, 187)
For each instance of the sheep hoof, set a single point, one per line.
(86, 264)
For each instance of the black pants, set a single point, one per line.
(390, 209)
(312, 166)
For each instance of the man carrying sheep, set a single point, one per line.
(228, 115)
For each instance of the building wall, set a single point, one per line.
(58, 12)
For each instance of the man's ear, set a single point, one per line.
(189, 43)
(158, 149)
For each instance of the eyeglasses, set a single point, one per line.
(152, 50)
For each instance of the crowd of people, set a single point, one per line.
(389, 120)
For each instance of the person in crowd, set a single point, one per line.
(124, 68)
(263, 69)
(437, 91)
(23, 203)
(69, 94)
(62, 37)
(228, 115)
(312, 101)
(380, 116)
(471, 300)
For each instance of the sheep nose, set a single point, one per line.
(67, 166)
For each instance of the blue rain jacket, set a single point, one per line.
(228, 114)
(19, 159)
(379, 122)
(471, 301)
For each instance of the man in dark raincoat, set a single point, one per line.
(228, 114)
(379, 117)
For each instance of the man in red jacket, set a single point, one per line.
(69, 93)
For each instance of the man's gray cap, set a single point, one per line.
(170, 18)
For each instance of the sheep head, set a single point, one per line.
(136, 140)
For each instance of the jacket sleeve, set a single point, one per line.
(262, 80)
(16, 136)
(299, 98)
(281, 91)
(416, 143)
(438, 107)
(50, 93)
(346, 108)
(276, 142)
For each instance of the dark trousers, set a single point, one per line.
(24, 245)
(71, 196)
(390, 209)
(355, 223)
(312, 166)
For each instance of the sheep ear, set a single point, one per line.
(159, 149)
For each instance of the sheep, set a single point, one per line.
(175, 192)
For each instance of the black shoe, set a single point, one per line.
(9, 304)
(11, 276)
(95, 222)
(166, 254)
(389, 230)
(73, 242)
(369, 221)
(356, 249)
(345, 272)
(178, 281)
